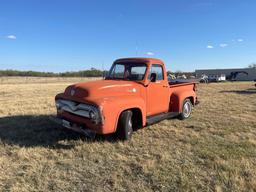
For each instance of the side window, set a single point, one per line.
(158, 69)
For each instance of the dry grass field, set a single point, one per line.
(214, 150)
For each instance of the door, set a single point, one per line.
(157, 92)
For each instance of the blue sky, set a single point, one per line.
(70, 35)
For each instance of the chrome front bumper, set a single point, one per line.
(73, 126)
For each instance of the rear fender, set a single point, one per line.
(177, 98)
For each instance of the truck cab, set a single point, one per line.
(135, 93)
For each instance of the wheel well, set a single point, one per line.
(136, 118)
(191, 99)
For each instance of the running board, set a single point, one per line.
(156, 118)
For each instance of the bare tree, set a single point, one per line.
(253, 65)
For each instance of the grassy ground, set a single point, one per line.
(214, 150)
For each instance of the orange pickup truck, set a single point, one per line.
(135, 93)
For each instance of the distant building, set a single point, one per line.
(240, 77)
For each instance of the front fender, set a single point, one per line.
(114, 106)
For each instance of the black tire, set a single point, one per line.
(186, 109)
(125, 126)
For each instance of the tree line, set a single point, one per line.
(86, 73)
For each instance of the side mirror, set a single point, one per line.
(153, 77)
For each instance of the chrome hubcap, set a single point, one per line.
(187, 109)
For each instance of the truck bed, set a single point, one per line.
(178, 83)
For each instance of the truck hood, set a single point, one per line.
(103, 88)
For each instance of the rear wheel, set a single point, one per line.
(186, 109)
(125, 126)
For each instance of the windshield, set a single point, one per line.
(128, 71)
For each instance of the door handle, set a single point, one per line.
(165, 86)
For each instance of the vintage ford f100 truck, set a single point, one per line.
(135, 93)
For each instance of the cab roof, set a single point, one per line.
(140, 59)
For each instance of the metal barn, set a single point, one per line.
(240, 77)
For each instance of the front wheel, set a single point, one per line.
(186, 109)
(125, 126)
